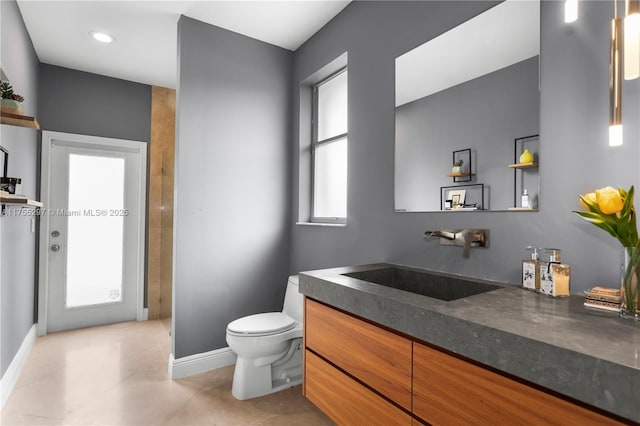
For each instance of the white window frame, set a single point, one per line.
(316, 143)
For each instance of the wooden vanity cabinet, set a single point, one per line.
(345, 400)
(370, 354)
(448, 390)
(359, 373)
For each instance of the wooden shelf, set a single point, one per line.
(523, 165)
(22, 201)
(19, 120)
(461, 174)
(522, 209)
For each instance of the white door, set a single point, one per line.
(92, 230)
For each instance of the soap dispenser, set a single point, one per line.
(531, 270)
(525, 201)
(554, 275)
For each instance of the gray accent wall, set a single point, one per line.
(17, 242)
(79, 102)
(574, 157)
(233, 156)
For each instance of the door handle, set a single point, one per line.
(55, 248)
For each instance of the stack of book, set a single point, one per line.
(603, 298)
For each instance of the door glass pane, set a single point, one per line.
(95, 230)
(330, 180)
(332, 107)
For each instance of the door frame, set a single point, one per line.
(48, 137)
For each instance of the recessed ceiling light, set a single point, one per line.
(102, 37)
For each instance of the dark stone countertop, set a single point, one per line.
(556, 343)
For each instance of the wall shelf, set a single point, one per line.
(472, 200)
(524, 165)
(525, 175)
(460, 174)
(19, 120)
(463, 156)
(17, 200)
(522, 209)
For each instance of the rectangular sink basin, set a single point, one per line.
(428, 284)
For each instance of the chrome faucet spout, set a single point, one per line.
(466, 238)
(447, 235)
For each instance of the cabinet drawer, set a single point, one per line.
(346, 401)
(375, 356)
(448, 390)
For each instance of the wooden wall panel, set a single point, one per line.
(160, 221)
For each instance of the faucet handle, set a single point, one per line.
(468, 239)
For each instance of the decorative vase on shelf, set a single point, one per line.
(11, 102)
(629, 290)
(526, 157)
(11, 106)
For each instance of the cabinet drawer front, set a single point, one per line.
(377, 357)
(346, 401)
(448, 390)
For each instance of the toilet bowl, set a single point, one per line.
(268, 348)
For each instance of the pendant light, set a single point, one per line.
(615, 80)
(571, 11)
(632, 40)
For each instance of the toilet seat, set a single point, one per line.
(261, 324)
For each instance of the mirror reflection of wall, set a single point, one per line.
(497, 103)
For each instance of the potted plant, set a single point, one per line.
(11, 102)
(457, 167)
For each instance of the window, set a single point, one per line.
(329, 149)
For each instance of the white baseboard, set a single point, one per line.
(12, 374)
(145, 314)
(199, 363)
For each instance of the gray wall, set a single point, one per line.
(89, 104)
(18, 243)
(232, 188)
(574, 152)
(485, 114)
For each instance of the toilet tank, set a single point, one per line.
(293, 299)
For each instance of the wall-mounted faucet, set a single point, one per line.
(466, 238)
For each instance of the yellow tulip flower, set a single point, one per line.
(589, 198)
(609, 200)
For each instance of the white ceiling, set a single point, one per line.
(146, 31)
(503, 35)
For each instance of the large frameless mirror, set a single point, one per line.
(467, 107)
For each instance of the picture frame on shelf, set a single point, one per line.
(457, 197)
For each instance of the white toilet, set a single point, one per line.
(269, 348)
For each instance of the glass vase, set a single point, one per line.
(629, 290)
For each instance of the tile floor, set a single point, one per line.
(117, 375)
